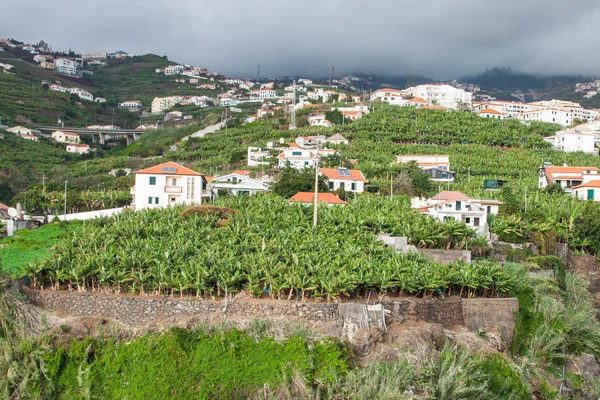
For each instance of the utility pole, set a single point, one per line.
(391, 186)
(65, 208)
(293, 121)
(316, 187)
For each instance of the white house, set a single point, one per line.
(258, 156)
(566, 176)
(237, 183)
(458, 206)
(65, 137)
(574, 139)
(30, 136)
(587, 191)
(336, 139)
(174, 69)
(351, 180)
(391, 96)
(94, 55)
(166, 185)
(19, 130)
(66, 67)
(319, 120)
(490, 113)
(443, 95)
(436, 166)
(78, 148)
(82, 93)
(297, 158)
(131, 105)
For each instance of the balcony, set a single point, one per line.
(173, 189)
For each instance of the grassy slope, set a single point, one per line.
(28, 245)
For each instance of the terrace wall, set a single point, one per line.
(146, 312)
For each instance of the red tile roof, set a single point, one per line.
(157, 170)
(333, 173)
(591, 184)
(489, 111)
(241, 172)
(309, 197)
(418, 100)
(435, 108)
(450, 195)
(3, 207)
(550, 171)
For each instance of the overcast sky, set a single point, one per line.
(436, 38)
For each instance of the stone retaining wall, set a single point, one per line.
(447, 256)
(584, 264)
(471, 313)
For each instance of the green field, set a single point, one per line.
(31, 245)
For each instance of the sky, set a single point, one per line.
(435, 38)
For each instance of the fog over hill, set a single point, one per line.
(437, 38)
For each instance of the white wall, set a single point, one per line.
(334, 184)
(144, 190)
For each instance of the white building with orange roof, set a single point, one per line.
(567, 177)
(65, 137)
(418, 102)
(168, 184)
(391, 96)
(351, 180)
(450, 204)
(587, 191)
(436, 166)
(297, 158)
(443, 95)
(78, 148)
(490, 113)
(579, 138)
(237, 183)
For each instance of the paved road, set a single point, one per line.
(208, 129)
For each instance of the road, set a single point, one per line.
(208, 129)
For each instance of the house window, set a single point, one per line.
(152, 180)
(156, 200)
(149, 200)
(330, 185)
(476, 221)
(234, 179)
(174, 182)
(296, 153)
(342, 185)
(353, 186)
(468, 220)
(458, 205)
(489, 209)
(305, 163)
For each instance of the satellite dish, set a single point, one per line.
(12, 212)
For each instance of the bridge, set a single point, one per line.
(101, 134)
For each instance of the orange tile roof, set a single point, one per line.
(435, 108)
(450, 195)
(591, 184)
(550, 171)
(309, 197)
(388, 90)
(418, 100)
(489, 111)
(209, 178)
(332, 173)
(241, 172)
(78, 145)
(157, 170)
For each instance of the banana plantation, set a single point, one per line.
(268, 247)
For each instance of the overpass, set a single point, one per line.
(98, 134)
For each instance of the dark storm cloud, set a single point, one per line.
(440, 38)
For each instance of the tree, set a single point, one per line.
(554, 189)
(335, 117)
(587, 227)
(292, 181)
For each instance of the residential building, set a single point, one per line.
(305, 82)
(160, 104)
(78, 148)
(81, 93)
(350, 180)
(319, 120)
(30, 136)
(47, 65)
(308, 198)
(6, 67)
(19, 130)
(58, 88)
(336, 139)
(65, 66)
(296, 158)
(391, 96)
(94, 55)
(131, 105)
(193, 80)
(566, 176)
(258, 156)
(436, 166)
(574, 139)
(100, 100)
(458, 206)
(237, 183)
(587, 191)
(490, 113)
(168, 184)
(418, 102)
(443, 95)
(174, 69)
(65, 137)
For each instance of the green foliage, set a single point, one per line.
(269, 246)
(183, 364)
(292, 181)
(30, 246)
(587, 228)
(505, 380)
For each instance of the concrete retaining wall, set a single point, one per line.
(484, 313)
(447, 256)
